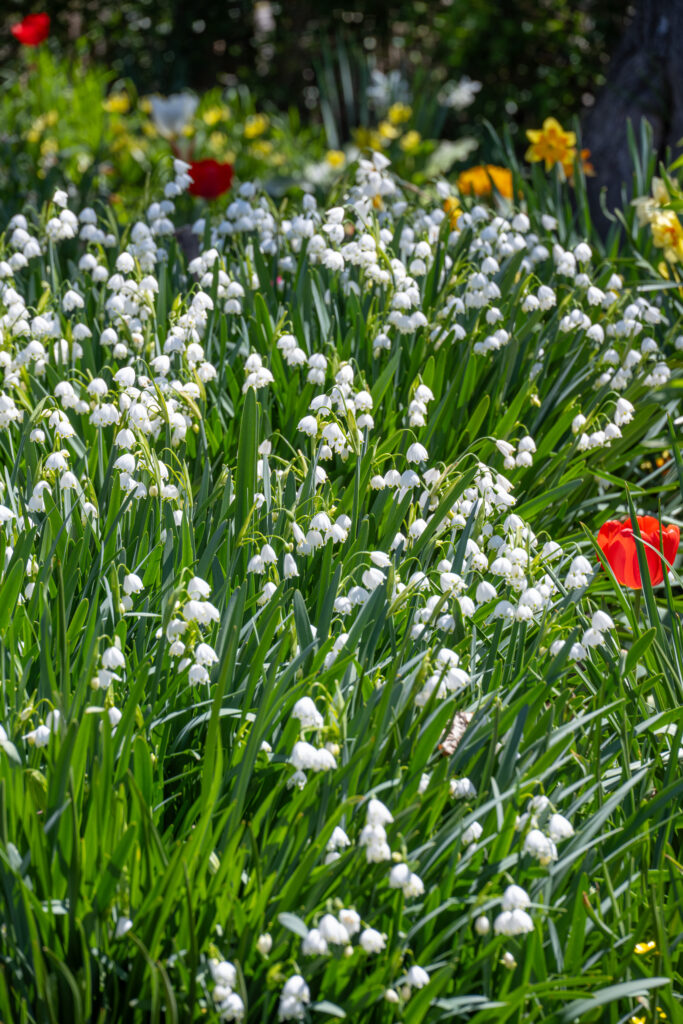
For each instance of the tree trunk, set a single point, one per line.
(645, 80)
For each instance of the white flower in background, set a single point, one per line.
(372, 941)
(472, 834)
(515, 898)
(294, 998)
(333, 931)
(38, 737)
(314, 944)
(459, 95)
(171, 114)
(417, 977)
(513, 922)
(132, 584)
(462, 789)
(482, 925)
(307, 713)
(559, 828)
(540, 847)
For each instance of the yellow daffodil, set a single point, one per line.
(117, 103)
(399, 113)
(551, 144)
(584, 159)
(647, 206)
(644, 947)
(667, 234)
(481, 180)
(336, 158)
(255, 125)
(410, 141)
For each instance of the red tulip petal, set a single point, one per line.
(620, 549)
(630, 569)
(647, 524)
(607, 532)
(671, 538)
(210, 179)
(32, 30)
(649, 531)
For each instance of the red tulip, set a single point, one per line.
(209, 178)
(32, 30)
(619, 548)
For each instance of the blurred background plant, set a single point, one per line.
(542, 58)
(288, 92)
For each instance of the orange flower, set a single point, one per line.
(481, 180)
(584, 157)
(551, 143)
(453, 209)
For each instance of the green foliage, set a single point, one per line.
(162, 825)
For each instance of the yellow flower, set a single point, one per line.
(644, 947)
(218, 141)
(387, 130)
(367, 138)
(399, 113)
(146, 105)
(638, 1020)
(660, 192)
(480, 180)
(255, 125)
(410, 141)
(262, 148)
(453, 209)
(667, 234)
(215, 114)
(551, 144)
(117, 103)
(123, 142)
(42, 122)
(335, 157)
(646, 207)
